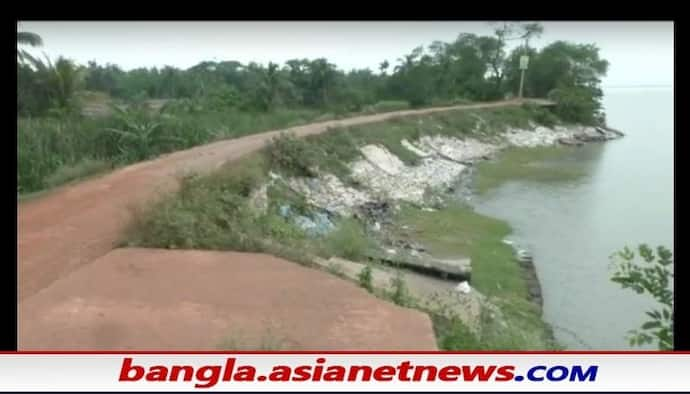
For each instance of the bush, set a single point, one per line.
(453, 335)
(387, 106)
(653, 277)
(577, 105)
(78, 170)
(293, 155)
(400, 295)
(348, 241)
(365, 278)
(541, 115)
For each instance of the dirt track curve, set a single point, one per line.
(65, 235)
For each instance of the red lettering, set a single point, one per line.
(303, 373)
(385, 373)
(404, 368)
(449, 374)
(484, 375)
(229, 367)
(280, 373)
(127, 368)
(157, 373)
(334, 373)
(506, 373)
(430, 376)
(176, 369)
(207, 380)
(356, 368)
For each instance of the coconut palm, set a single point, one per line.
(27, 38)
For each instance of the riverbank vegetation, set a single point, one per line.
(75, 119)
(653, 276)
(221, 211)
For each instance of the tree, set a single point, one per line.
(27, 38)
(383, 67)
(652, 277)
(48, 85)
(504, 32)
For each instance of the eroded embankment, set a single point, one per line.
(371, 203)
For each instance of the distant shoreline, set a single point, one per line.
(636, 86)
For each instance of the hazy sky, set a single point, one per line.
(639, 52)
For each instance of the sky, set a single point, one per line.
(640, 53)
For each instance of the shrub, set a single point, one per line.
(400, 294)
(541, 115)
(653, 277)
(78, 170)
(293, 155)
(348, 241)
(577, 105)
(365, 278)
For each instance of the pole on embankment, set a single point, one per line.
(523, 66)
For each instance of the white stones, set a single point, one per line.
(457, 149)
(463, 287)
(329, 192)
(384, 160)
(409, 146)
(382, 175)
(385, 175)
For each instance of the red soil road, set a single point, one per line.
(158, 299)
(72, 226)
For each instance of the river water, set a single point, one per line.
(573, 226)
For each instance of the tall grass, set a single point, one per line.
(46, 145)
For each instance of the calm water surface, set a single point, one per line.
(572, 227)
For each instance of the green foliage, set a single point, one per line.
(577, 105)
(215, 100)
(42, 86)
(365, 278)
(399, 292)
(81, 169)
(653, 277)
(348, 240)
(541, 115)
(214, 212)
(454, 335)
(387, 106)
(139, 137)
(293, 155)
(459, 231)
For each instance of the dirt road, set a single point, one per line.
(202, 300)
(71, 227)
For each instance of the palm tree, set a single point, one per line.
(27, 38)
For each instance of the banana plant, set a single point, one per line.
(139, 139)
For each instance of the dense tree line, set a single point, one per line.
(471, 67)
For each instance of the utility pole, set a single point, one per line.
(524, 59)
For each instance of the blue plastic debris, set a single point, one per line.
(317, 225)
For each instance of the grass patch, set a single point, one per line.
(80, 170)
(452, 334)
(538, 164)
(387, 106)
(349, 241)
(459, 231)
(213, 212)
